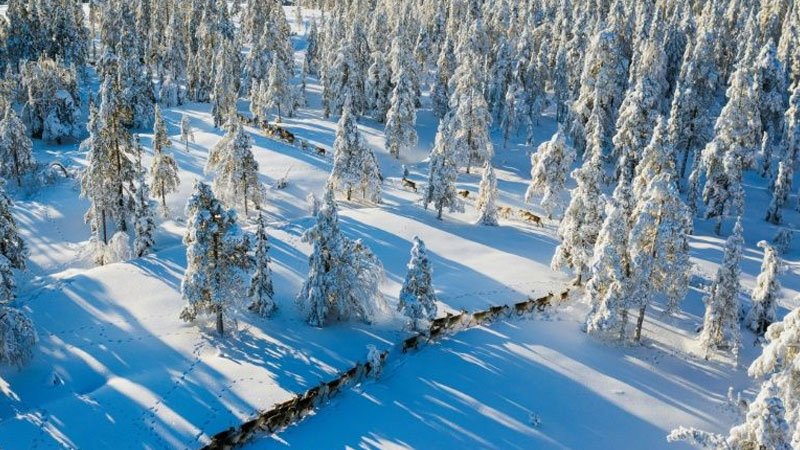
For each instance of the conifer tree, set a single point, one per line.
(732, 150)
(721, 320)
(218, 264)
(164, 170)
(417, 296)
(401, 117)
(261, 292)
(659, 250)
(690, 121)
(354, 164)
(443, 171)
(471, 119)
(279, 91)
(18, 336)
(765, 295)
(580, 226)
(236, 179)
(486, 204)
(343, 275)
(549, 168)
(780, 193)
(378, 87)
(12, 249)
(143, 222)
(16, 149)
(608, 290)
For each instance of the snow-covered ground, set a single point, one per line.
(116, 368)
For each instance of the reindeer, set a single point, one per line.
(320, 151)
(286, 135)
(495, 311)
(505, 212)
(524, 307)
(411, 343)
(543, 303)
(335, 385)
(479, 317)
(531, 217)
(464, 194)
(220, 440)
(409, 184)
(454, 319)
(246, 430)
(565, 295)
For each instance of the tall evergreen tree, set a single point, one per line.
(417, 296)
(164, 171)
(549, 168)
(218, 265)
(486, 204)
(765, 295)
(236, 179)
(261, 292)
(721, 320)
(442, 173)
(16, 149)
(401, 117)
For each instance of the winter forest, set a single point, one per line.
(381, 224)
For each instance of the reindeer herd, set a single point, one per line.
(295, 409)
(277, 132)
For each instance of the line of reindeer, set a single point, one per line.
(283, 414)
(280, 133)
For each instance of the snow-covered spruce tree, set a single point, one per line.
(378, 87)
(765, 295)
(343, 275)
(471, 119)
(261, 292)
(607, 291)
(580, 226)
(279, 92)
(417, 296)
(764, 427)
(12, 248)
(442, 173)
(690, 119)
(354, 164)
(52, 101)
(217, 261)
(18, 337)
(445, 67)
(401, 118)
(721, 320)
(226, 82)
(164, 170)
(16, 149)
(486, 204)
(732, 150)
(640, 110)
(144, 225)
(658, 247)
(770, 80)
(549, 168)
(657, 157)
(602, 82)
(236, 179)
(791, 132)
(109, 169)
(187, 132)
(780, 193)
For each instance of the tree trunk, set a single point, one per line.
(105, 232)
(220, 324)
(163, 198)
(349, 193)
(439, 213)
(16, 168)
(639, 322)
